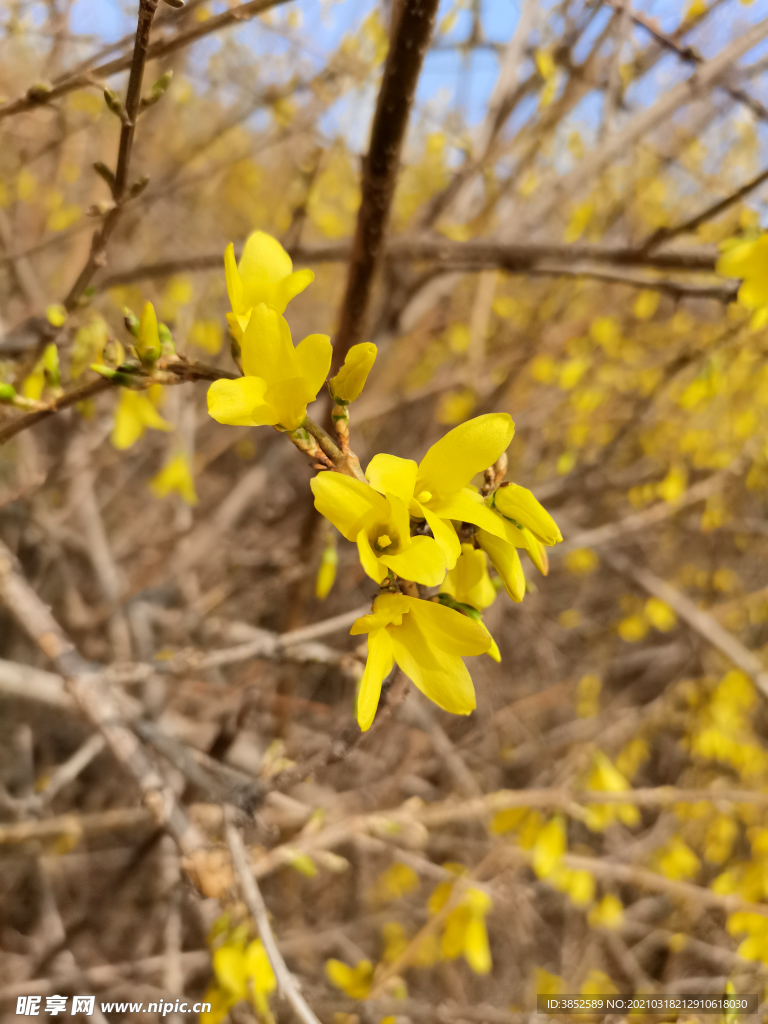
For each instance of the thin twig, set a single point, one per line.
(255, 903)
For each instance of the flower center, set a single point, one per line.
(423, 496)
(383, 541)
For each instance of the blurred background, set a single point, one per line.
(571, 173)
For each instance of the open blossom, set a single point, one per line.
(265, 274)
(427, 640)
(748, 260)
(136, 412)
(279, 380)
(175, 476)
(437, 489)
(380, 525)
(470, 586)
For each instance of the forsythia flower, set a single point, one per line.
(605, 778)
(749, 261)
(525, 524)
(349, 382)
(469, 584)
(148, 339)
(241, 972)
(465, 932)
(135, 414)
(265, 274)
(353, 981)
(427, 640)
(176, 476)
(380, 525)
(326, 574)
(437, 489)
(279, 379)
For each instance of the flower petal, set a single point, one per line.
(263, 264)
(467, 506)
(443, 532)
(291, 286)
(314, 356)
(234, 284)
(448, 630)
(387, 609)
(349, 504)
(388, 473)
(466, 450)
(377, 668)
(267, 349)
(518, 503)
(371, 564)
(421, 561)
(236, 402)
(288, 400)
(506, 561)
(440, 676)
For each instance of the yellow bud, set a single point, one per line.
(348, 383)
(148, 340)
(326, 574)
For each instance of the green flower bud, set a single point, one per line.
(167, 344)
(131, 321)
(114, 103)
(348, 383)
(7, 392)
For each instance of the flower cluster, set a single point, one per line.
(414, 524)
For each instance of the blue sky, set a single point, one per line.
(450, 79)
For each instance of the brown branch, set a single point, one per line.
(663, 235)
(696, 618)
(161, 48)
(84, 682)
(382, 163)
(183, 370)
(98, 253)
(475, 255)
(286, 983)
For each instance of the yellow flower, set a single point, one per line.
(326, 574)
(605, 778)
(354, 982)
(518, 504)
(470, 586)
(609, 913)
(240, 972)
(148, 339)
(279, 379)
(380, 526)
(265, 274)
(468, 582)
(549, 847)
(749, 261)
(394, 883)
(176, 476)
(135, 414)
(348, 383)
(677, 860)
(427, 640)
(465, 932)
(437, 488)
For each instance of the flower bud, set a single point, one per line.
(148, 339)
(326, 574)
(167, 345)
(518, 504)
(348, 383)
(7, 392)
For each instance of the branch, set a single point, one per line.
(255, 902)
(161, 48)
(97, 255)
(382, 163)
(84, 682)
(698, 620)
(479, 254)
(183, 369)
